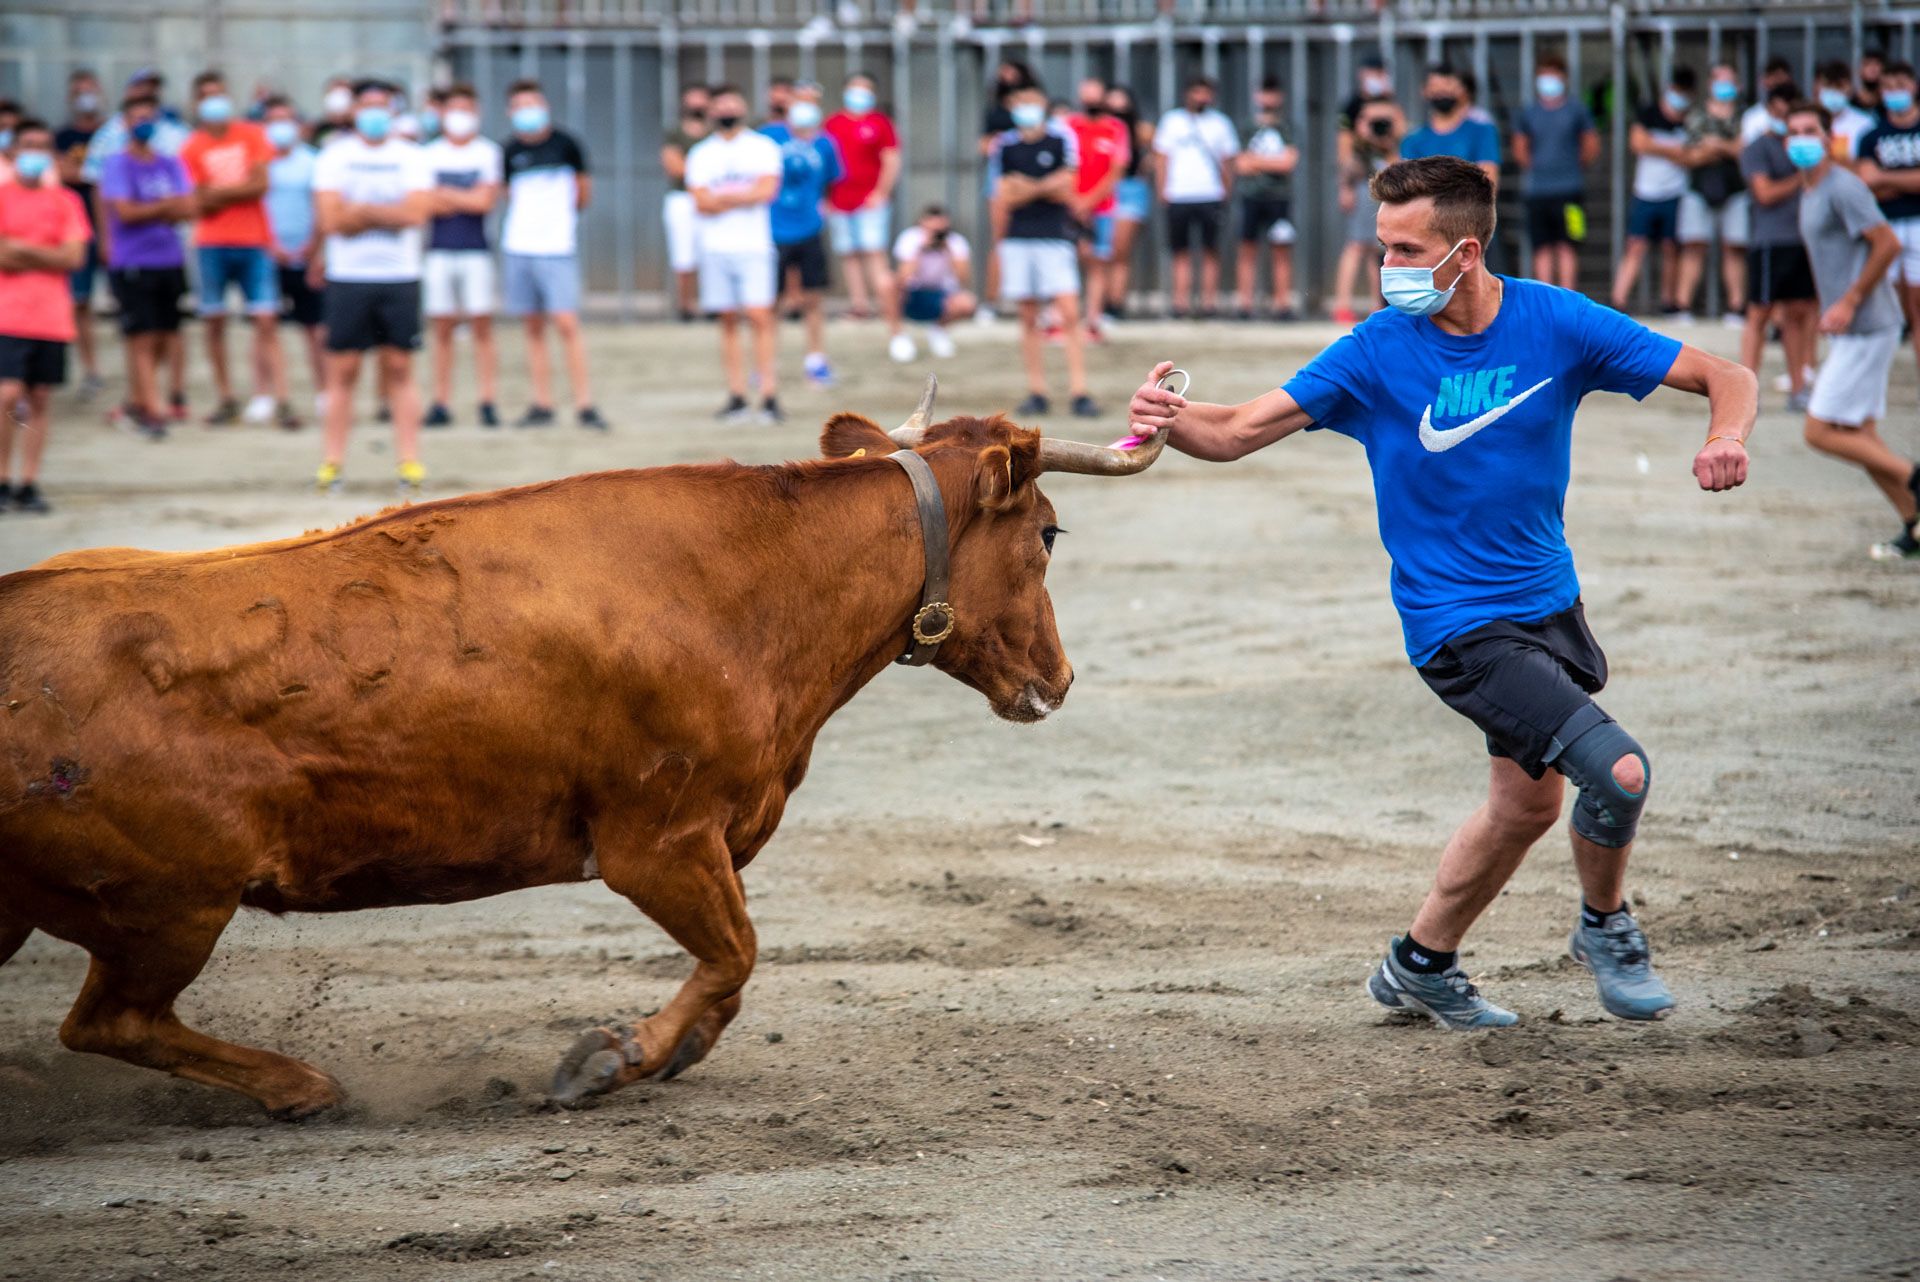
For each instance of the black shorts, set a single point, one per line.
(1258, 214)
(37, 362)
(1519, 682)
(808, 257)
(149, 298)
(1547, 220)
(1196, 218)
(300, 302)
(1778, 274)
(365, 314)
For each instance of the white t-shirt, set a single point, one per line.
(729, 165)
(1194, 147)
(922, 268)
(1754, 121)
(1849, 125)
(366, 174)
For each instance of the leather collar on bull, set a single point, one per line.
(933, 621)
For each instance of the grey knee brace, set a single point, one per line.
(1585, 749)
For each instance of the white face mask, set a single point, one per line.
(1411, 289)
(338, 101)
(460, 123)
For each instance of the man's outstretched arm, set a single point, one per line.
(1733, 398)
(1217, 433)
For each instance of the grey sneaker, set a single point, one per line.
(1617, 955)
(1449, 998)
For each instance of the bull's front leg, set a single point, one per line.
(688, 885)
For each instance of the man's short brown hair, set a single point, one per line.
(1462, 194)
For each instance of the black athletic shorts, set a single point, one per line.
(1199, 218)
(808, 256)
(1258, 214)
(1547, 220)
(364, 314)
(300, 302)
(1778, 274)
(37, 362)
(1519, 682)
(149, 298)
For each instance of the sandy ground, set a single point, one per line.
(1084, 1000)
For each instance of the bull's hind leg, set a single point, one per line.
(693, 892)
(125, 1010)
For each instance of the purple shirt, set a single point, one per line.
(154, 244)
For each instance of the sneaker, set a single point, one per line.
(259, 410)
(984, 315)
(770, 411)
(1449, 998)
(1904, 548)
(900, 348)
(736, 410)
(26, 498)
(383, 414)
(226, 414)
(590, 419)
(90, 387)
(6, 497)
(177, 407)
(284, 418)
(1285, 315)
(1733, 320)
(410, 476)
(327, 479)
(1677, 316)
(1085, 407)
(437, 416)
(1798, 401)
(1617, 955)
(1344, 316)
(489, 416)
(819, 373)
(939, 342)
(1094, 334)
(536, 416)
(1034, 404)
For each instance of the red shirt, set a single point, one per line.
(38, 304)
(1104, 147)
(861, 140)
(224, 162)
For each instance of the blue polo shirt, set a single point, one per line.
(808, 166)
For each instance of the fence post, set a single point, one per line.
(1617, 132)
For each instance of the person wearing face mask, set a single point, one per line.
(548, 188)
(373, 195)
(1464, 395)
(1264, 169)
(934, 265)
(336, 111)
(1715, 204)
(1833, 89)
(1106, 147)
(169, 135)
(296, 244)
(810, 163)
(1453, 126)
(676, 208)
(734, 174)
(1196, 145)
(1554, 144)
(1873, 66)
(1890, 166)
(1132, 199)
(1369, 146)
(859, 205)
(43, 238)
(1851, 248)
(1780, 290)
(70, 147)
(1658, 139)
(1757, 119)
(10, 118)
(457, 284)
(227, 159)
(1010, 76)
(144, 195)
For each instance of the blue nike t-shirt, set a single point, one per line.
(807, 167)
(1470, 440)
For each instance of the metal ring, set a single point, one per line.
(1186, 381)
(940, 610)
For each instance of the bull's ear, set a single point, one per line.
(994, 479)
(847, 435)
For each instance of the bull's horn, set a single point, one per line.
(908, 434)
(1100, 460)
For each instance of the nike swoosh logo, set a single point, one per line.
(1438, 439)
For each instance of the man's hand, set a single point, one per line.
(11, 259)
(1721, 464)
(317, 273)
(1153, 407)
(1837, 317)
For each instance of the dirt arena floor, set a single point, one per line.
(1084, 1000)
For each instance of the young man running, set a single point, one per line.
(1464, 395)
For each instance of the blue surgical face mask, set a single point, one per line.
(1549, 86)
(1677, 101)
(32, 165)
(1806, 153)
(530, 120)
(1411, 289)
(1897, 101)
(1725, 91)
(1778, 125)
(1029, 115)
(858, 100)
(373, 123)
(143, 132)
(217, 110)
(804, 115)
(6, 139)
(283, 133)
(429, 123)
(1833, 100)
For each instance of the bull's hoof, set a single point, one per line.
(323, 1093)
(594, 1066)
(691, 1050)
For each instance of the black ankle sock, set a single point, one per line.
(1591, 916)
(1420, 959)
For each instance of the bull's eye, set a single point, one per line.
(1048, 533)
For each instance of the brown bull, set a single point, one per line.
(617, 675)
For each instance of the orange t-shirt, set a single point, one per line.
(222, 162)
(38, 304)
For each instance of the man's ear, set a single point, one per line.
(847, 435)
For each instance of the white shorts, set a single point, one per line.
(733, 282)
(1907, 266)
(1699, 224)
(683, 230)
(457, 282)
(1037, 269)
(1851, 386)
(863, 231)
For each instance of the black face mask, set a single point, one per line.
(1443, 104)
(1380, 128)
(1869, 82)
(695, 114)
(726, 122)
(1094, 108)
